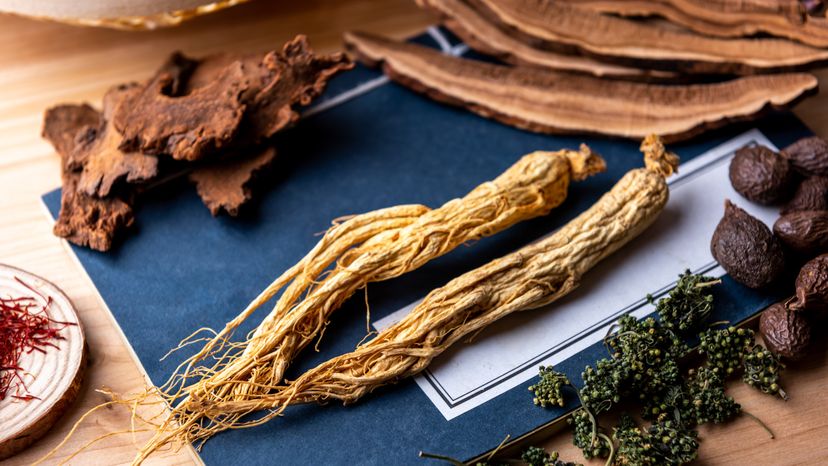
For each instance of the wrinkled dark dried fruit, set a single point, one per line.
(812, 287)
(812, 194)
(809, 156)
(747, 249)
(761, 175)
(786, 332)
(805, 232)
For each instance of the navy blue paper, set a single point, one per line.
(182, 269)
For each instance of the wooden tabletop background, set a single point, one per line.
(43, 63)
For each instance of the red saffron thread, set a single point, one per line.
(25, 327)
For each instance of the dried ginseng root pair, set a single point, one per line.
(365, 248)
(538, 274)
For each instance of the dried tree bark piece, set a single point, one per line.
(188, 127)
(556, 102)
(488, 38)
(294, 77)
(62, 123)
(97, 150)
(278, 83)
(175, 72)
(90, 221)
(726, 18)
(224, 185)
(83, 220)
(559, 25)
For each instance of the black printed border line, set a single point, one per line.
(453, 402)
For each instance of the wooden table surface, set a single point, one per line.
(42, 64)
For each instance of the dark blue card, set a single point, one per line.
(182, 269)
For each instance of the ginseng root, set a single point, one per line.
(366, 248)
(531, 277)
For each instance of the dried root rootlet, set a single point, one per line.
(531, 277)
(366, 248)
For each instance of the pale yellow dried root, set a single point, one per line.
(531, 277)
(366, 248)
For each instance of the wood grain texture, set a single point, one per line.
(53, 375)
(43, 63)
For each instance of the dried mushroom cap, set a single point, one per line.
(811, 194)
(224, 185)
(555, 102)
(812, 286)
(809, 156)
(476, 30)
(747, 249)
(98, 150)
(556, 24)
(188, 127)
(62, 123)
(761, 175)
(785, 332)
(728, 18)
(804, 231)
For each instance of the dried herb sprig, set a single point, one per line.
(589, 437)
(665, 442)
(602, 385)
(710, 402)
(646, 355)
(644, 365)
(761, 371)
(725, 348)
(536, 456)
(549, 391)
(532, 456)
(687, 305)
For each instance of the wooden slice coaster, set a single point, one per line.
(56, 374)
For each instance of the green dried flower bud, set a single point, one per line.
(549, 390)
(761, 371)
